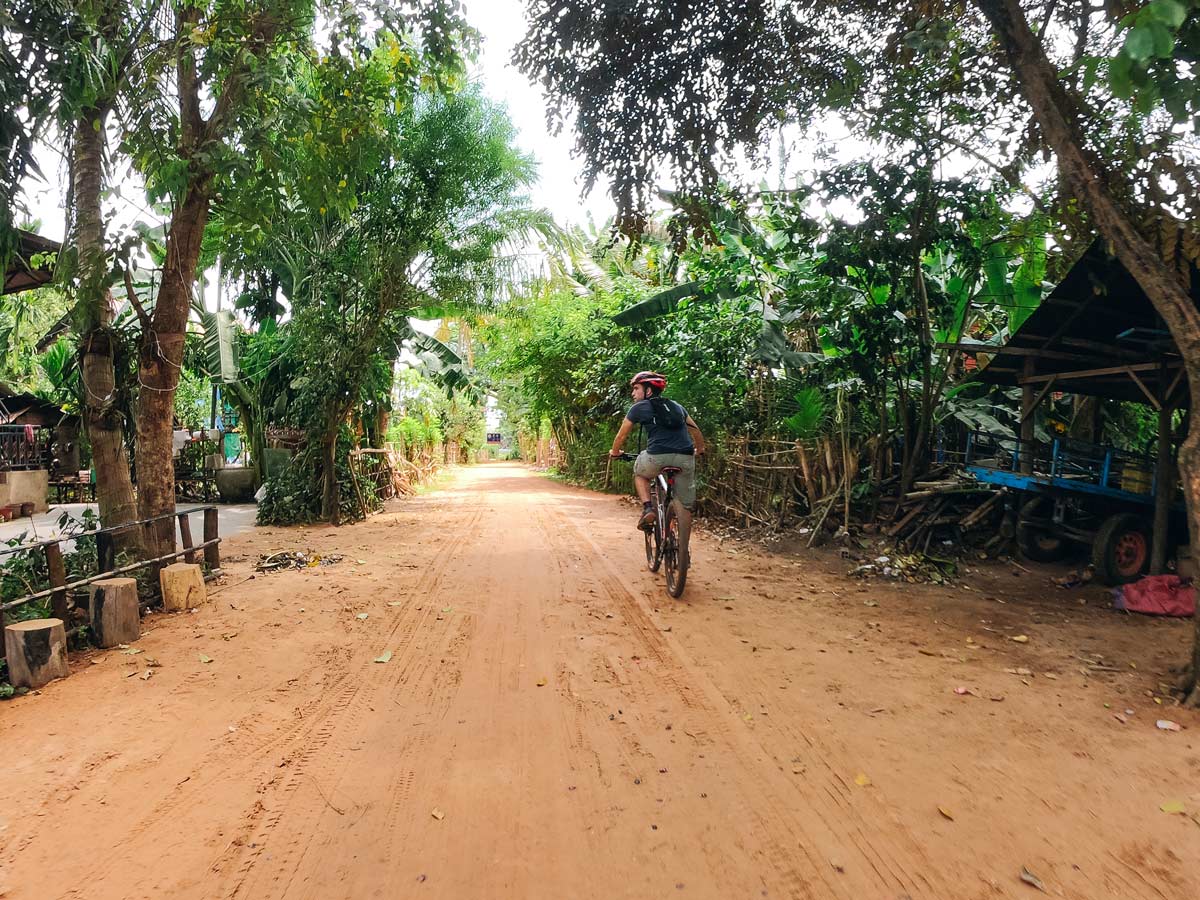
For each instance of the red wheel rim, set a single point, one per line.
(1130, 552)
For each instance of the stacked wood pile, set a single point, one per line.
(945, 507)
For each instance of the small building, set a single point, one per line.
(35, 435)
(1096, 334)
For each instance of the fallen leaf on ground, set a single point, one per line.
(1031, 879)
(1174, 807)
(1020, 638)
(997, 698)
(232, 634)
(1120, 718)
(383, 657)
(361, 562)
(945, 813)
(205, 659)
(1168, 725)
(541, 682)
(362, 616)
(448, 609)
(146, 675)
(132, 651)
(437, 814)
(396, 603)
(962, 691)
(862, 780)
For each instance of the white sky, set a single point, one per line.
(559, 189)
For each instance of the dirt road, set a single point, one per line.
(490, 698)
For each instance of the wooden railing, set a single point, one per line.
(24, 447)
(107, 541)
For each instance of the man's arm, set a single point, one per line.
(697, 437)
(622, 435)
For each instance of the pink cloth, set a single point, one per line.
(1158, 595)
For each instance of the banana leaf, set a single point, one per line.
(661, 304)
(220, 345)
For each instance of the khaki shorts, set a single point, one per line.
(685, 482)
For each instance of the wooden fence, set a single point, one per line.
(61, 592)
(762, 482)
(25, 447)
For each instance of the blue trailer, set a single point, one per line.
(1077, 493)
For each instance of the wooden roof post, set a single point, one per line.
(1028, 401)
(1164, 481)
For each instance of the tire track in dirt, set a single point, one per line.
(318, 720)
(826, 829)
(417, 641)
(841, 795)
(643, 691)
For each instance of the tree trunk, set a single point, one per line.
(1057, 117)
(159, 364)
(330, 507)
(101, 416)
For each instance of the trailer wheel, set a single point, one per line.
(1035, 532)
(1121, 550)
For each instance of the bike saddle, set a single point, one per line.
(671, 470)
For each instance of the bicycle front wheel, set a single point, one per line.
(676, 534)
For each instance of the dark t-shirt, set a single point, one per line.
(660, 437)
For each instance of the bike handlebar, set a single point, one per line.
(628, 457)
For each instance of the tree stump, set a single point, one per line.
(113, 609)
(182, 586)
(36, 651)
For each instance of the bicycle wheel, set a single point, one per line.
(653, 539)
(676, 533)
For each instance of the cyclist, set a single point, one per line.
(673, 439)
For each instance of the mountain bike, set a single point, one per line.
(667, 541)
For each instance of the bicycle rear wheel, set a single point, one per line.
(676, 535)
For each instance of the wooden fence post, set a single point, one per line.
(58, 580)
(185, 534)
(212, 553)
(149, 539)
(105, 556)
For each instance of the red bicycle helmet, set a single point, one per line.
(651, 378)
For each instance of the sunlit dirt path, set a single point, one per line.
(490, 698)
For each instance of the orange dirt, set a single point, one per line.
(551, 725)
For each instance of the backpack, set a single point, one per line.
(667, 413)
